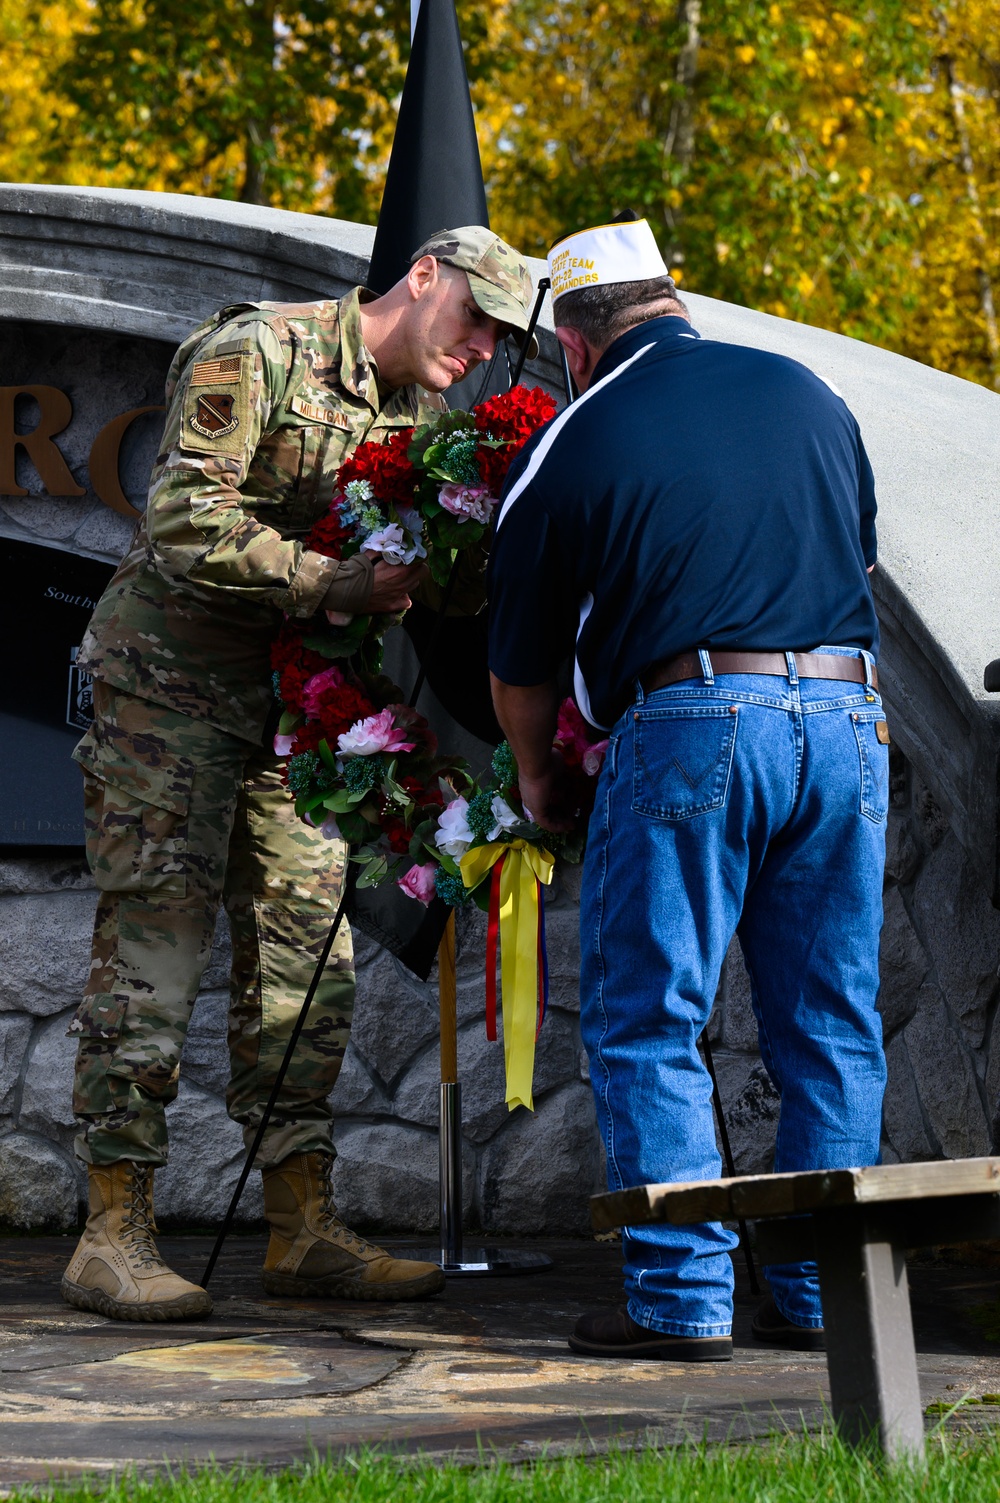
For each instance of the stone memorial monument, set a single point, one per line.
(97, 287)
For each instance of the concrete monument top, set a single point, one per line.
(151, 265)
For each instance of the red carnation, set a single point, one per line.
(512, 416)
(339, 708)
(328, 535)
(385, 467)
(423, 797)
(394, 829)
(515, 414)
(307, 738)
(294, 664)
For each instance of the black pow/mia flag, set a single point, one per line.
(434, 181)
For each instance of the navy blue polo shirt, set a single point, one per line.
(698, 494)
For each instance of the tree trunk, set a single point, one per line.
(987, 301)
(258, 83)
(678, 142)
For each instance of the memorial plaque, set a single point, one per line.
(47, 599)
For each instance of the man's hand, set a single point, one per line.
(394, 585)
(544, 799)
(392, 588)
(528, 717)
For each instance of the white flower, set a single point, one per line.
(504, 815)
(453, 834)
(370, 519)
(395, 545)
(358, 492)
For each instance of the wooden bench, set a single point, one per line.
(856, 1224)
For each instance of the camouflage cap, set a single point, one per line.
(499, 278)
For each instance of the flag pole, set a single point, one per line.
(454, 1257)
(450, 1106)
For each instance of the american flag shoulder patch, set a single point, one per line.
(226, 371)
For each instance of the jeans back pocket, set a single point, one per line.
(874, 756)
(683, 760)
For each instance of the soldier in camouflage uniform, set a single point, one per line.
(185, 804)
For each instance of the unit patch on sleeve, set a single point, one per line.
(213, 416)
(218, 405)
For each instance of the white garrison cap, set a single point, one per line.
(610, 253)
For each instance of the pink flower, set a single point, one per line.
(314, 688)
(379, 733)
(419, 882)
(470, 503)
(593, 757)
(572, 731)
(283, 746)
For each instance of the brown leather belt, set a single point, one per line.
(807, 665)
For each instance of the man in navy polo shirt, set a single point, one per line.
(697, 530)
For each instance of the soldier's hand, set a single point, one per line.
(393, 586)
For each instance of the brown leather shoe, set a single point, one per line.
(313, 1255)
(613, 1333)
(771, 1327)
(116, 1269)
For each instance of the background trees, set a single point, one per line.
(839, 165)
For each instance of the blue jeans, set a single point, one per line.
(754, 805)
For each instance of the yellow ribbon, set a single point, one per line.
(526, 865)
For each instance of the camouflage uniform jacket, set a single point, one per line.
(264, 402)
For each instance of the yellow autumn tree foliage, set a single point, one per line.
(34, 43)
(289, 106)
(836, 163)
(953, 120)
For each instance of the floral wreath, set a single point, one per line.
(365, 767)
(362, 765)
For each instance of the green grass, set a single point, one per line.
(960, 1470)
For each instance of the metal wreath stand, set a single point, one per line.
(454, 1258)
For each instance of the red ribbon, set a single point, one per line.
(543, 964)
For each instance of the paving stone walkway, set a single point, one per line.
(483, 1366)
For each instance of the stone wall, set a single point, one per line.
(525, 1174)
(940, 968)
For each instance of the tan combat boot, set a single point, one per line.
(116, 1269)
(312, 1254)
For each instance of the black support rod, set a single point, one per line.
(279, 1079)
(543, 286)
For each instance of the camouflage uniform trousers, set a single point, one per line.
(179, 816)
